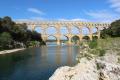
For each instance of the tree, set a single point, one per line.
(115, 28)
(18, 34)
(112, 31)
(5, 40)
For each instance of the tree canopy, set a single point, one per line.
(112, 31)
(12, 34)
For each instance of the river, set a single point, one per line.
(36, 63)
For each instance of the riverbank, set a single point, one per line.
(93, 66)
(94, 69)
(11, 51)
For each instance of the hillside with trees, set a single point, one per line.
(14, 35)
(112, 31)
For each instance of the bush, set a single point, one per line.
(93, 44)
(102, 52)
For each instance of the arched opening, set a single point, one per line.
(94, 30)
(64, 39)
(94, 37)
(75, 30)
(64, 30)
(85, 31)
(75, 39)
(38, 29)
(51, 40)
(51, 30)
(86, 38)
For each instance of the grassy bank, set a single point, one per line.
(101, 46)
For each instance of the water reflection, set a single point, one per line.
(36, 63)
(69, 56)
(58, 55)
(44, 54)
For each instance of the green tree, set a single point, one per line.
(112, 31)
(115, 28)
(5, 40)
(18, 34)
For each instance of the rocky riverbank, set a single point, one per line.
(90, 67)
(94, 69)
(11, 51)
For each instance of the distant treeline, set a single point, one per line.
(112, 31)
(14, 35)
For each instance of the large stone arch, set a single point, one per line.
(86, 38)
(49, 36)
(85, 30)
(75, 39)
(64, 30)
(75, 30)
(64, 39)
(94, 37)
(94, 30)
(51, 40)
(38, 29)
(51, 30)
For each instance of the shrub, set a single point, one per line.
(93, 44)
(102, 52)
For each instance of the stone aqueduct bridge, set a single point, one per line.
(68, 24)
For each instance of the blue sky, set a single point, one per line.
(84, 10)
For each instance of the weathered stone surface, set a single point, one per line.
(90, 67)
(87, 70)
(109, 71)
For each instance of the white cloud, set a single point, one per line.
(37, 18)
(36, 11)
(115, 4)
(102, 15)
(75, 19)
(32, 19)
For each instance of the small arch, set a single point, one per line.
(75, 39)
(85, 38)
(51, 30)
(85, 30)
(75, 30)
(64, 30)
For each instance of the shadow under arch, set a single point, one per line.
(75, 39)
(85, 38)
(94, 37)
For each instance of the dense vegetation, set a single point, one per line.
(112, 31)
(110, 39)
(14, 35)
